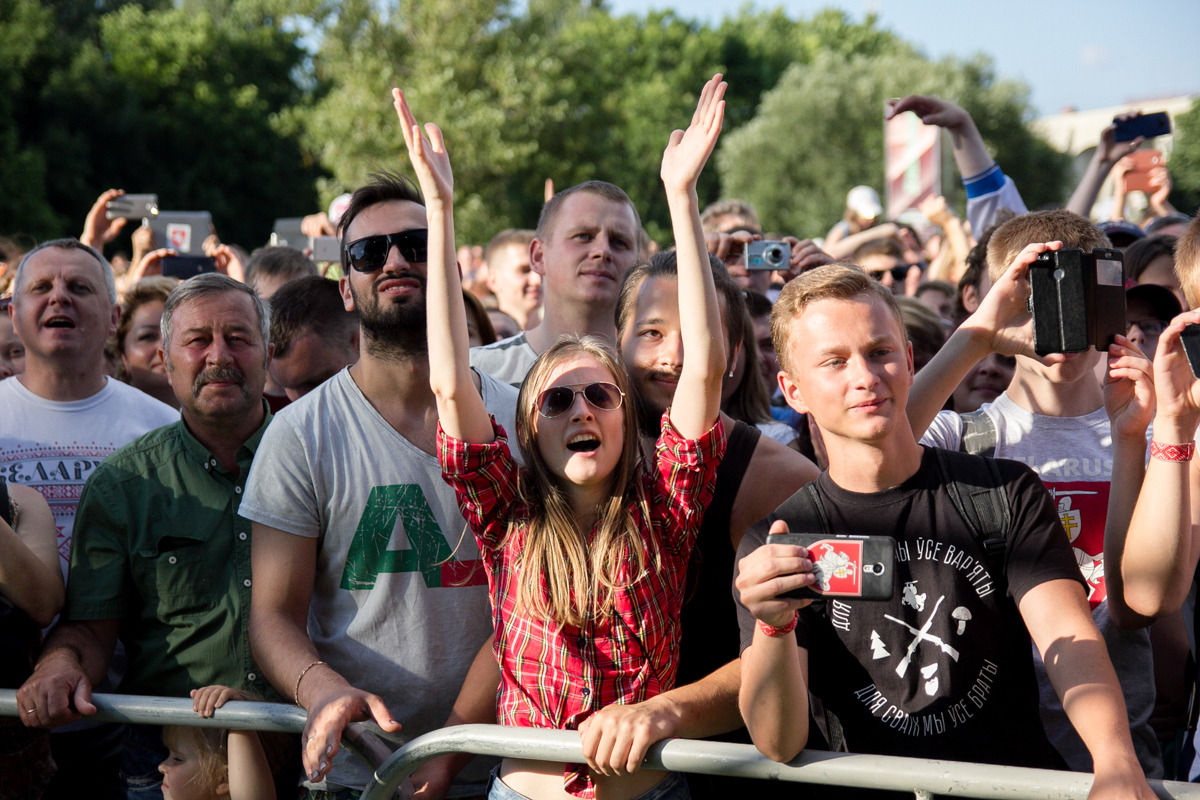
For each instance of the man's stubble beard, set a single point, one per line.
(393, 333)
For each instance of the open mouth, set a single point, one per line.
(59, 322)
(583, 443)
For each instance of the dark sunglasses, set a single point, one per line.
(899, 273)
(370, 253)
(559, 399)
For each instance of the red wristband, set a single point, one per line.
(1172, 452)
(774, 632)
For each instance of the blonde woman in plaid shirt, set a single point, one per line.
(586, 549)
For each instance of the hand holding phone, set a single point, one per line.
(1146, 126)
(132, 206)
(1077, 300)
(862, 567)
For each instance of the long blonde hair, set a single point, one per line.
(562, 574)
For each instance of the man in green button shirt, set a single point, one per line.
(161, 559)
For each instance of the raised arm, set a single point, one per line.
(1001, 324)
(1108, 152)
(461, 410)
(970, 153)
(988, 190)
(1162, 546)
(697, 398)
(1129, 402)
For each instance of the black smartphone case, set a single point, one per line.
(1077, 300)
(1146, 125)
(1190, 339)
(860, 567)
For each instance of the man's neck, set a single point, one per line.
(1040, 396)
(398, 388)
(224, 436)
(63, 383)
(867, 467)
(597, 321)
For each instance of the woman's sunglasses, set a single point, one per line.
(559, 399)
(370, 253)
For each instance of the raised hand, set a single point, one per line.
(1128, 389)
(1003, 313)
(1177, 389)
(688, 151)
(1109, 150)
(98, 229)
(428, 154)
(931, 110)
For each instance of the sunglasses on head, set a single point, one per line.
(370, 253)
(559, 399)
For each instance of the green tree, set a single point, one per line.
(1184, 161)
(179, 100)
(820, 132)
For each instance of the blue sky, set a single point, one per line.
(1070, 52)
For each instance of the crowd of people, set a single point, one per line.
(430, 485)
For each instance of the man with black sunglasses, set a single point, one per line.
(367, 601)
(587, 239)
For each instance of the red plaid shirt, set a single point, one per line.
(555, 676)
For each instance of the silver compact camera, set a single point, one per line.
(768, 255)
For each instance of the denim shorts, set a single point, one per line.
(673, 787)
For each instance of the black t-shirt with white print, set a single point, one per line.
(942, 670)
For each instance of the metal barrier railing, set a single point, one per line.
(923, 777)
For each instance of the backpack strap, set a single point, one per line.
(977, 491)
(804, 513)
(978, 434)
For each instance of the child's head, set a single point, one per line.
(197, 767)
(586, 442)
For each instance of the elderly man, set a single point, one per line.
(61, 417)
(161, 560)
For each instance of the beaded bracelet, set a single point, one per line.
(774, 632)
(300, 677)
(1172, 452)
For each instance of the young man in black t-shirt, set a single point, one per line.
(942, 669)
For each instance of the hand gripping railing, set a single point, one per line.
(923, 777)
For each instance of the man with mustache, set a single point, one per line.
(161, 559)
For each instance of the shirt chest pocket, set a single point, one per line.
(178, 577)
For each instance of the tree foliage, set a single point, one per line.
(177, 100)
(820, 131)
(1184, 161)
(255, 109)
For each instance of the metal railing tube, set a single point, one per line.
(719, 758)
(143, 710)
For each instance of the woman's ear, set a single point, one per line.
(223, 788)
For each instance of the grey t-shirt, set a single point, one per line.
(507, 360)
(1073, 458)
(400, 603)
